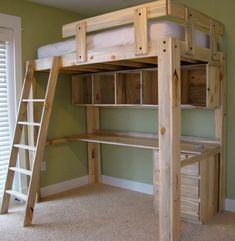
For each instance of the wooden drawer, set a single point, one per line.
(199, 188)
(190, 210)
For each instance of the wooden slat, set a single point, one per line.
(189, 32)
(169, 140)
(141, 31)
(122, 53)
(213, 41)
(128, 63)
(21, 170)
(33, 100)
(81, 42)
(41, 141)
(25, 147)
(17, 194)
(117, 18)
(28, 123)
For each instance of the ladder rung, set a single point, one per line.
(26, 147)
(28, 123)
(21, 170)
(33, 100)
(17, 194)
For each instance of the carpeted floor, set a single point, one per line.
(104, 213)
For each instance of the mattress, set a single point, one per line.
(122, 36)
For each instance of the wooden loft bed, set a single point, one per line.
(189, 172)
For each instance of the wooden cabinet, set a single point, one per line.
(199, 188)
(199, 87)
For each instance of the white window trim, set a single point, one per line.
(13, 23)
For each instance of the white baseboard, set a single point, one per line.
(127, 184)
(230, 205)
(64, 186)
(113, 181)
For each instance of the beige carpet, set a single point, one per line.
(104, 213)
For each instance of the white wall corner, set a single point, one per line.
(127, 184)
(230, 205)
(64, 186)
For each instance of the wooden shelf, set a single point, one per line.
(199, 88)
(190, 145)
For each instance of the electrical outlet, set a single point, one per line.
(43, 166)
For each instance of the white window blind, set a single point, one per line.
(5, 137)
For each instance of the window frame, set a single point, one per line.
(13, 24)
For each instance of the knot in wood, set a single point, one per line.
(163, 131)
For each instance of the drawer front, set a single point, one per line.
(189, 187)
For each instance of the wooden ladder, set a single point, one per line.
(38, 149)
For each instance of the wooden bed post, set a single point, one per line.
(169, 139)
(94, 160)
(220, 131)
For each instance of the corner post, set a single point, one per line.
(169, 139)
(220, 130)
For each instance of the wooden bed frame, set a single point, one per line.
(171, 152)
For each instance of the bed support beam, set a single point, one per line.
(169, 139)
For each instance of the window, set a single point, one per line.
(10, 87)
(5, 137)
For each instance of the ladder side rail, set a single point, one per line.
(41, 141)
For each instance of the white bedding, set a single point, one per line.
(122, 36)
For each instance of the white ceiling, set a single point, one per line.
(90, 7)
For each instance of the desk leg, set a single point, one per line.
(94, 160)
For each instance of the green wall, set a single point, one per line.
(42, 25)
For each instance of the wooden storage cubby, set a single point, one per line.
(128, 88)
(82, 89)
(104, 92)
(200, 86)
(150, 87)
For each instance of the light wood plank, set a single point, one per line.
(141, 31)
(81, 42)
(213, 41)
(169, 140)
(117, 18)
(189, 32)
